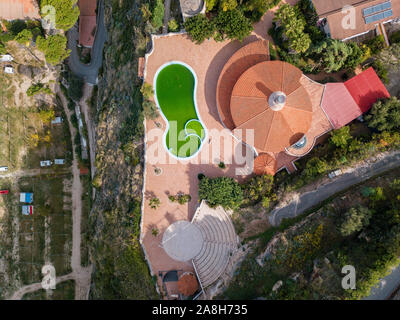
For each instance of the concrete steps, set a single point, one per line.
(220, 242)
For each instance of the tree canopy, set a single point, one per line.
(233, 24)
(384, 115)
(54, 48)
(222, 191)
(66, 11)
(199, 28)
(354, 220)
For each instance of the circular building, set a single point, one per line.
(269, 99)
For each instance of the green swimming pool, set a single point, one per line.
(175, 86)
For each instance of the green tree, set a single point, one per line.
(333, 54)
(157, 19)
(315, 166)
(67, 12)
(233, 24)
(150, 110)
(147, 90)
(340, 137)
(54, 48)
(173, 25)
(226, 5)
(24, 37)
(293, 24)
(354, 220)
(222, 191)
(355, 57)
(199, 28)
(3, 49)
(384, 115)
(211, 4)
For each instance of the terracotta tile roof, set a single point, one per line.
(87, 7)
(265, 164)
(241, 60)
(344, 102)
(19, 9)
(273, 130)
(339, 105)
(332, 10)
(87, 29)
(366, 88)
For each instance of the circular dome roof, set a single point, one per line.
(265, 164)
(270, 99)
(182, 240)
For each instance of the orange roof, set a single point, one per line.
(19, 9)
(246, 57)
(265, 164)
(274, 130)
(87, 7)
(87, 30)
(187, 284)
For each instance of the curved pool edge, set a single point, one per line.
(195, 106)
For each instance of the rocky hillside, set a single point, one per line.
(120, 271)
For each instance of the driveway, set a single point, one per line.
(309, 199)
(88, 72)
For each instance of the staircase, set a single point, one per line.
(220, 242)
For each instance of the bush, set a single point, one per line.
(354, 220)
(395, 37)
(150, 109)
(37, 89)
(222, 165)
(199, 28)
(384, 115)
(147, 90)
(222, 191)
(54, 48)
(173, 25)
(67, 12)
(233, 25)
(158, 14)
(24, 37)
(377, 44)
(154, 203)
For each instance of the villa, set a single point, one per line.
(370, 17)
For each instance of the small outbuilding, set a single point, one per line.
(9, 69)
(59, 161)
(6, 58)
(57, 120)
(26, 197)
(27, 210)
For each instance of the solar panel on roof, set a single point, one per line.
(378, 16)
(377, 8)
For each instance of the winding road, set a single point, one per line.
(88, 72)
(312, 198)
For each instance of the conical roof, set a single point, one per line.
(252, 106)
(265, 164)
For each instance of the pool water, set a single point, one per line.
(175, 86)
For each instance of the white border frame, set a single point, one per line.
(195, 107)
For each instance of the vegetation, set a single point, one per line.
(173, 25)
(157, 14)
(232, 24)
(199, 28)
(66, 11)
(384, 115)
(24, 37)
(54, 48)
(222, 191)
(308, 257)
(38, 89)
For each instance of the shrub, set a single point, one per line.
(354, 220)
(384, 115)
(222, 165)
(173, 25)
(395, 37)
(233, 24)
(54, 48)
(3, 49)
(377, 44)
(199, 28)
(200, 176)
(147, 90)
(340, 138)
(154, 203)
(222, 191)
(37, 89)
(24, 37)
(158, 14)
(150, 109)
(67, 12)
